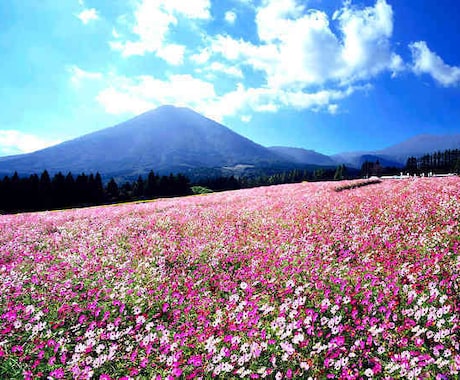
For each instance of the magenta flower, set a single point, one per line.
(195, 360)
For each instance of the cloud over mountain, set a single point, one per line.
(301, 58)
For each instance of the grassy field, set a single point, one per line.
(289, 281)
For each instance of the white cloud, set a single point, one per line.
(88, 15)
(333, 109)
(116, 101)
(275, 17)
(138, 94)
(172, 53)
(303, 58)
(123, 95)
(366, 43)
(196, 9)
(246, 118)
(78, 76)
(151, 26)
(309, 53)
(427, 62)
(232, 71)
(299, 49)
(16, 142)
(153, 19)
(230, 17)
(201, 57)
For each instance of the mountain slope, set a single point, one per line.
(422, 144)
(303, 156)
(167, 139)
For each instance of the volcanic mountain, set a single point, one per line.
(178, 140)
(167, 139)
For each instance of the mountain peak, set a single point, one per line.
(167, 139)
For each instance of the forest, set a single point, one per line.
(438, 162)
(44, 192)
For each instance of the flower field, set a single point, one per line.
(284, 282)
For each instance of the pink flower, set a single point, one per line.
(18, 350)
(177, 372)
(58, 373)
(195, 360)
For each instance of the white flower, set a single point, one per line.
(369, 373)
(298, 338)
(304, 366)
(140, 319)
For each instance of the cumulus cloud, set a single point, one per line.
(298, 48)
(427, 62)
(172, 54)
(153, 19)
(201, 57)
(87, 15)
(301, 58)
(138, 94)
(366, 42)
(119, 94)
(17, 142)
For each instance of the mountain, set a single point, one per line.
(356, 159)
(422, 144)
(167, 139)
(303, 156)
(396, 155)
(173, 139)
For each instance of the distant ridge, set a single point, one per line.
(303, 156)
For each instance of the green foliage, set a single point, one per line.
(200, 190)
(11, 368)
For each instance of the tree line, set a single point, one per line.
(290, 176)
(437, 162)
(41, 192)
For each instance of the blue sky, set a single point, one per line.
(327, 75)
